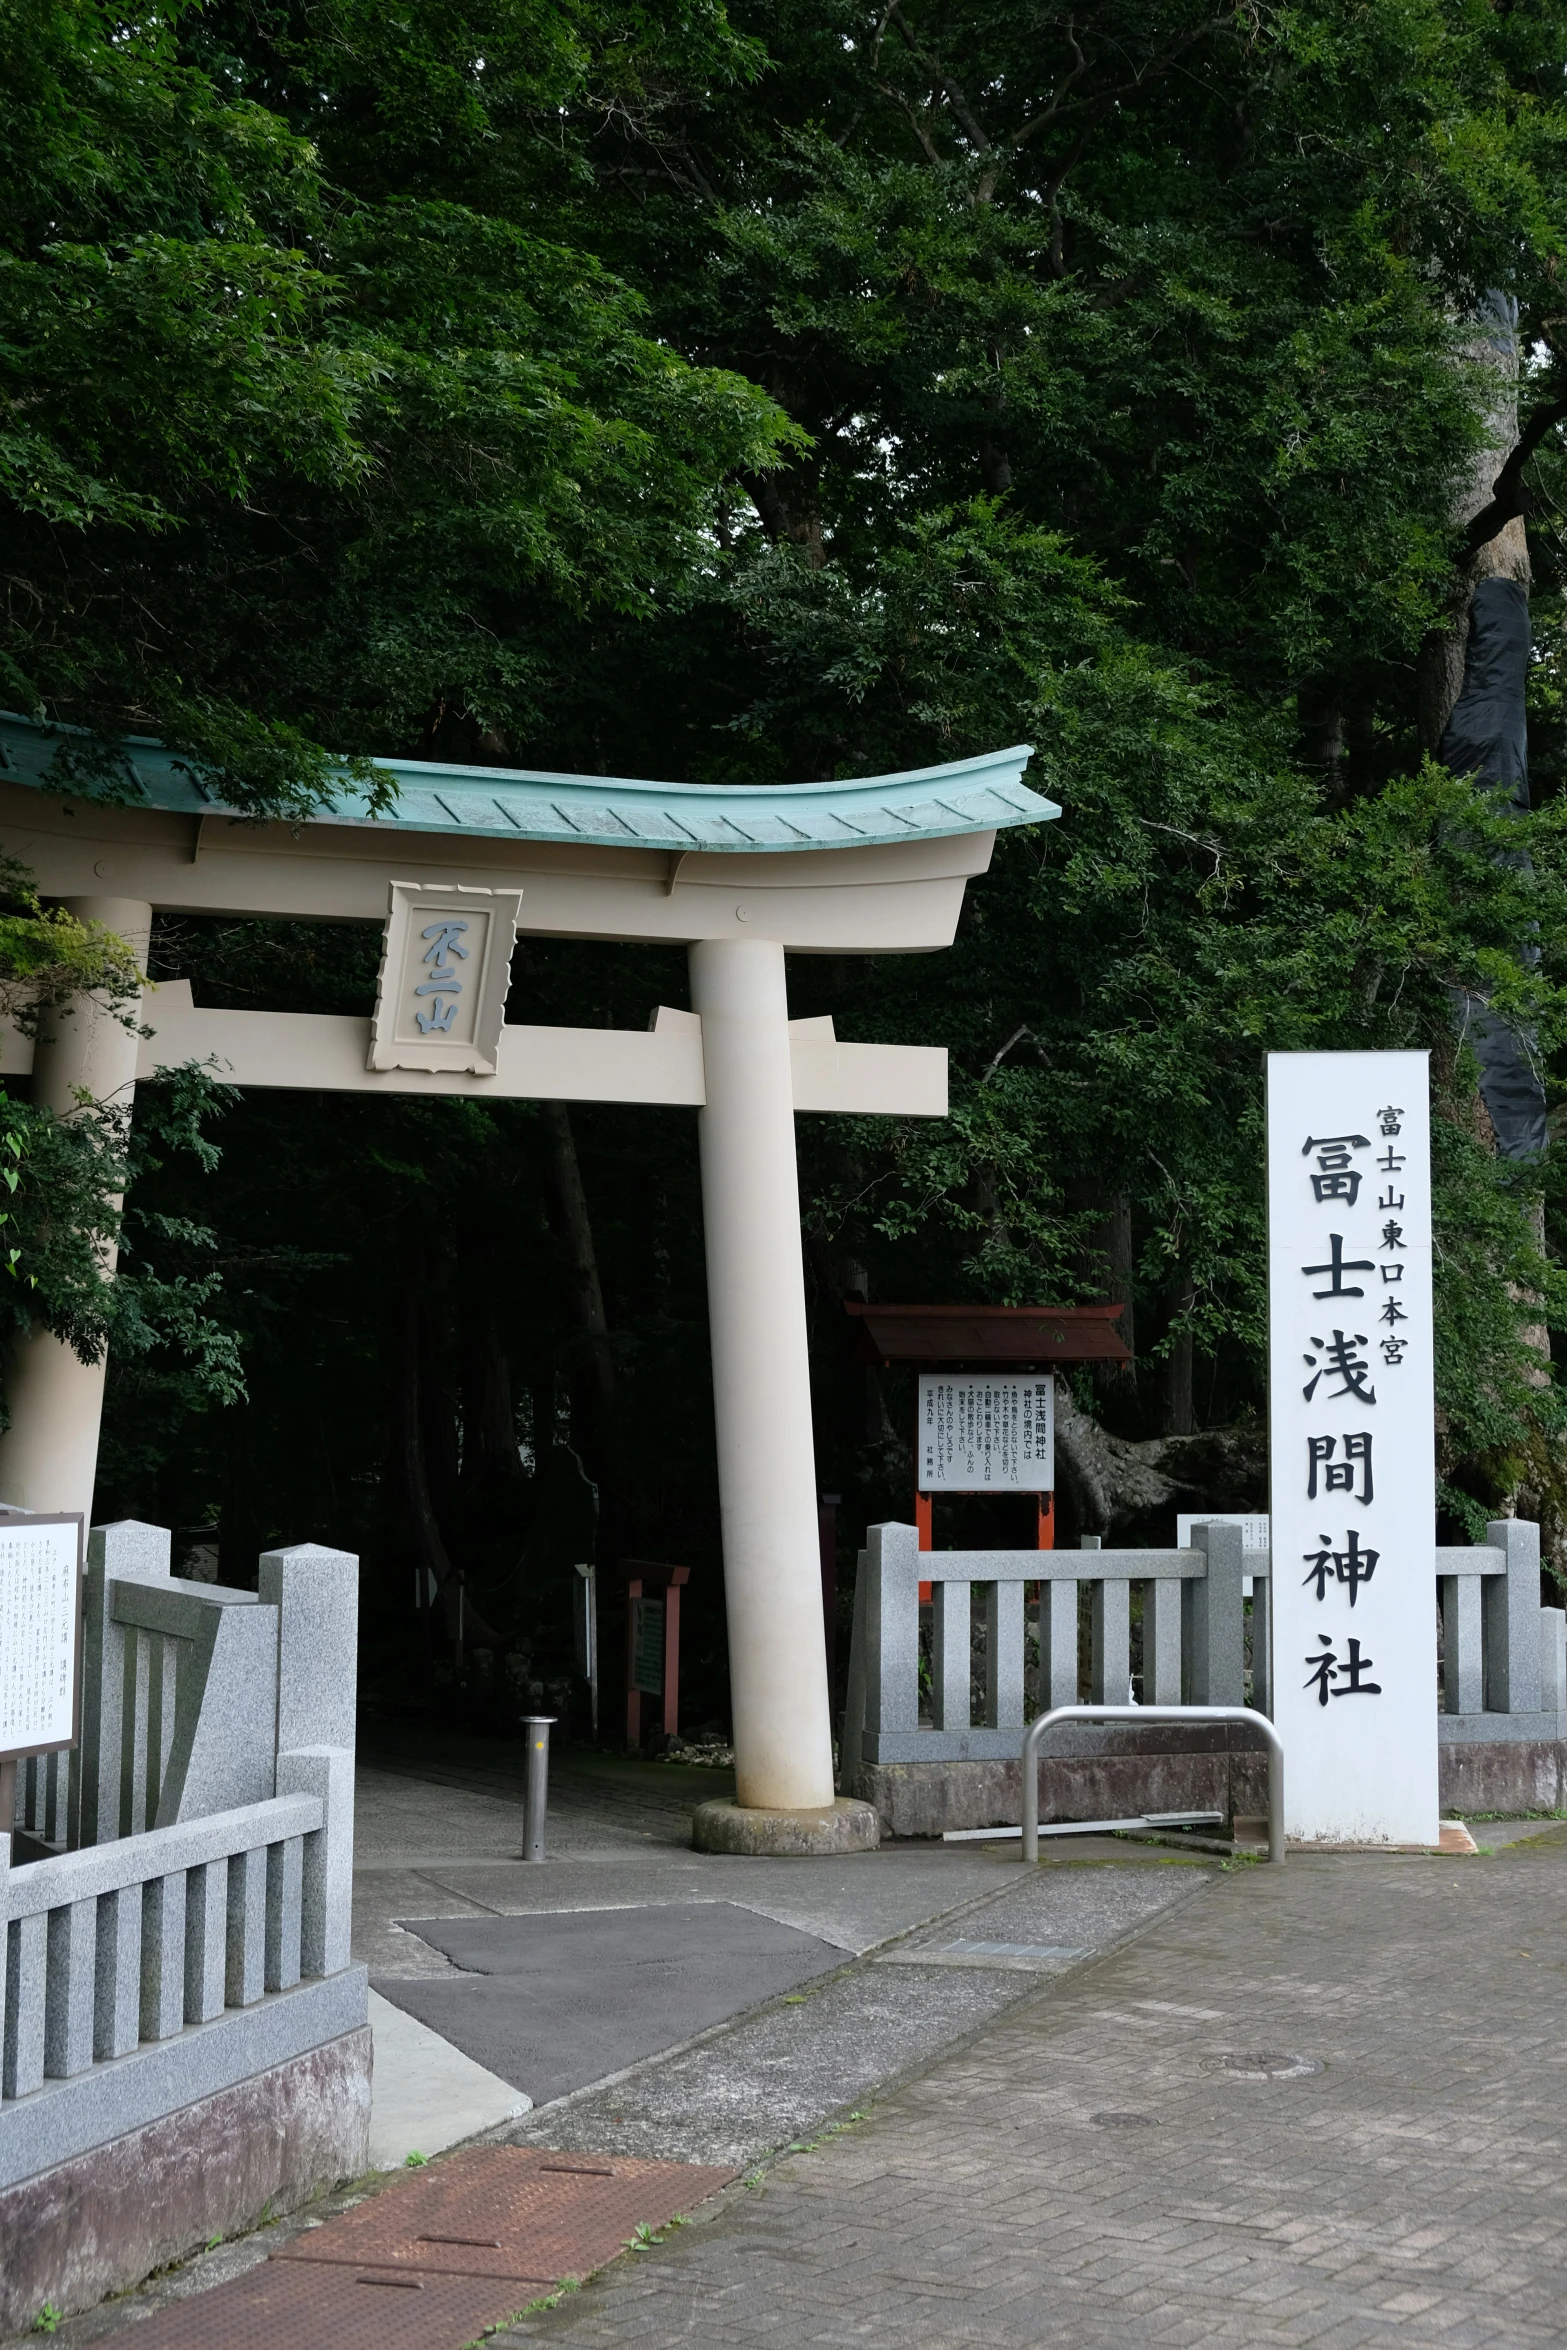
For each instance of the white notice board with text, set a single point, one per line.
(40, 1633)
(987, 1432)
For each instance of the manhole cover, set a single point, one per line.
(1124, 2121)
(1264, 2064)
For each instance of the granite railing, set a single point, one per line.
(1203, 1640)
(189, 1690)
(1504, 1657)
(195, 1929)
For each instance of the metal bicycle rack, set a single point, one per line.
(1036, 1731)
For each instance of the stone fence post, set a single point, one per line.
(1511, 1604)
(1216, 1620)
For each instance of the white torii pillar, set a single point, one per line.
(761, 1378)
(49, 1453)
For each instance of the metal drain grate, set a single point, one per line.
(509, 2211)
(285, 2305)
(426, 2264)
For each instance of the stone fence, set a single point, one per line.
(178, 1999)
(949, 1758)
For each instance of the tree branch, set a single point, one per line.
(951, 90)
(1019, 1032)
(581, 1253)
(1509, 492)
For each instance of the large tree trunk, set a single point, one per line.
(1474, 680)
(593, 1395)
(1107, 1265)
(1177, 1399)
(1319, 713)
(790, 513)
(842, 1278)
(1132, 1491)
(1440, 669)
(491, 1462)
(432, 1564)
(410, 1417)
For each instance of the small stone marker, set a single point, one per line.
(1352, 1445)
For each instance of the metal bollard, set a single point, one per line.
(538, 1728)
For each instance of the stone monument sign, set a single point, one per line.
(1352, 1450)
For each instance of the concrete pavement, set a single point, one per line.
(1321, 2105)
(1130, 2098)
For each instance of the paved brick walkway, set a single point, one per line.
(1086, 2172)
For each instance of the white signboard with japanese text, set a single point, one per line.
(40, 1633)
(445, 968)
(987, 1432)
(1351, 1444)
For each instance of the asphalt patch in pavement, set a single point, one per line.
(554, 2000)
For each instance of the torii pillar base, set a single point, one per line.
(844, 1826)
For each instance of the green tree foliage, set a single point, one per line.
(308, 415)
(1138, 362)
(65, 1175)
(47, 956)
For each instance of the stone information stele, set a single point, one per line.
(1352, 1445)
(40, 1633)
(984, 1432)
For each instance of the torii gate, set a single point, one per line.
(466, 857)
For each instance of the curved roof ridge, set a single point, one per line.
(980, 794)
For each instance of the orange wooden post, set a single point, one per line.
(924, 1515)
(633, 1693)
(677, 1576)
(1046, 1533)
(650, 1578)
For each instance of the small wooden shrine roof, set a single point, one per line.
(949, 1337)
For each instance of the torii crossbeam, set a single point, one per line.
(468, 857)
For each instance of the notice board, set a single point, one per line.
(40, 1633)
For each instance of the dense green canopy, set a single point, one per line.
(309, 413)
(799, 392)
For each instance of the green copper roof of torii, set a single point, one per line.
(506, 803)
